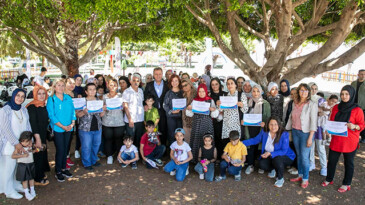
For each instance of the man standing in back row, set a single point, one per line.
(359, 86)
(158, 89)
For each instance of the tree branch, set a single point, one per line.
(298, 3)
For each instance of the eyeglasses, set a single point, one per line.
(303, 91)
(184, 85)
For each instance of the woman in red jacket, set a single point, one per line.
(346, 111)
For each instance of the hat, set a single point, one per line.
(180, 130)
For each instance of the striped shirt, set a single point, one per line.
(6, 131)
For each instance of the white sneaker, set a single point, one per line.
(33, 193)
(201, 176)
(29, 196)
(77, 154)
(14, 195)
(249, 169)
(261, 171)
(272, 174)
(173, 173)
(110, 160)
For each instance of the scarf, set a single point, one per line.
(198, 98)
(345, 108)
(255, 104)
(37, 102)
(287, 93)
(249, 94)
(12, 103)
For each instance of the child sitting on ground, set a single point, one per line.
(233, 158)
(128, 153)
(151, 147)
(25, 171)
(180, 156)
(207, 156)
(152, 112)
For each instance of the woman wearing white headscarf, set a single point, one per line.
(256, 105)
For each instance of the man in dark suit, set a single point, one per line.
(158, 89)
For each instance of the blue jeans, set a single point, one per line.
(90, 143)
(303, 152)
(180, 169)
(232, 170)
(61, 141)
(209, 175)
(128, 156)
(157, 153)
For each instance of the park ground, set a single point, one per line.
(111, 184)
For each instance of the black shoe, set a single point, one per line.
(97, 164)
(60, 177)
(90, 168)
(66, 173)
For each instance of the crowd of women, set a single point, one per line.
(298, 129)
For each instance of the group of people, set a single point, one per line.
(147, 126)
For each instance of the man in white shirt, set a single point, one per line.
(39, 79)
(134, 111)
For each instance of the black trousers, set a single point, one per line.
(349, 166)
(61, 141)
(172, 124)
(113, 139)
(295, 164)
(278, 163)
(218, 137)
(162, 126)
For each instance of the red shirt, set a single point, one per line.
(148, 146)
(348, 144)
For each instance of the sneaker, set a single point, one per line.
(261, 171)
(60, 177)
(97, 164)
(201, 176)
(110, 160)
(66, 173)
(279, 183)
(33, 193)
(238, 176)
(124, 165)
(249, 169)
(159, 162)
(69, 162)
(173, 173)
(220, 178)
(89, 168)
(272, 174)
(312, 167)
(323, 172)
(77, 154)
(68, 167)
(134, 166)
(29, 196)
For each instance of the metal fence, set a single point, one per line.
(342, 77)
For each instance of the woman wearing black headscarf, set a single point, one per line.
(284, 90)
(349, 112)
(216, 90)
(14, 120)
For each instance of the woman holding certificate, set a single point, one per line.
(256, 105)
(189, 94)
(61, 112)
(90, 129)
(303, 123)
(351, 114)
(113, 123)
(202, 110)
(232, 117)
(173, 112)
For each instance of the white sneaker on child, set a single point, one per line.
(77, 154)
(249, 169)
(110, 160)
(201, 176)
(32, 192)
(29, 196)
(173, 173)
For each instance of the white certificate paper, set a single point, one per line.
(95, 106)
(79, 103)
(252, 119)
(200, 107)
(337, 128)
(113, 104)
(228, 102)
(178, 104)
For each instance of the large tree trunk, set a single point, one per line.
(71, 47)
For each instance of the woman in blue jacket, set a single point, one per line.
(61, 113)
(275, 153)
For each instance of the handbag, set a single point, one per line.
(50, 132)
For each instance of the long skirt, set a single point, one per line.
(202, 124)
